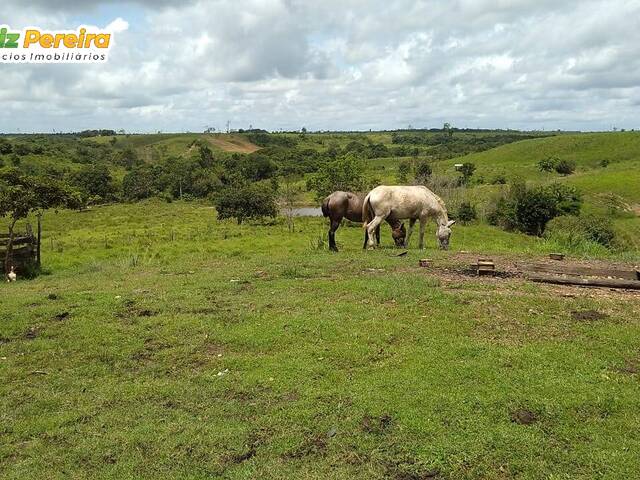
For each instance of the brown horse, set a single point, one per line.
(348, 205)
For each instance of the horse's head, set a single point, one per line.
(443, 234)
(399, 233)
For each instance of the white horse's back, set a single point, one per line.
(405, 201)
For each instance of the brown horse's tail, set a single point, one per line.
(325, 207)
(367, 212)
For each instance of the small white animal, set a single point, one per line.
(11, 276)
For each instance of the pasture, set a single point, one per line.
(163, 343)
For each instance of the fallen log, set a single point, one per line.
(584, 281)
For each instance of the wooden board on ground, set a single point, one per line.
(585, 281)
(578, 270)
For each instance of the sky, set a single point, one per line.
(332, 65)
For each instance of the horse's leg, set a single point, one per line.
(423, 224)
(412, 222)
(378, 235)
(371, 229)
(332, 234)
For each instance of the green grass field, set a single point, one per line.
(163, 343)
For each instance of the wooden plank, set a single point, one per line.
(17, 240)
(584, 281)
(581, 271)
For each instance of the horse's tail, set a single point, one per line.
(367, 212)
(325, 207)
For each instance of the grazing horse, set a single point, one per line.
(412, 202)
(348, 205)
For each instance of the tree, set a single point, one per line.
(95, 181)
(206, 156)
(242, 200)
(404, 169)
(21, 195)
(467, 171)
(128, 158)
(345, 173)
(5, 147)
(289, 193)
(448, 130)
(423, 172)
(139, 183)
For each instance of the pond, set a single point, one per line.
(306, 212)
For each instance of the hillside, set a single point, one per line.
(520, 159)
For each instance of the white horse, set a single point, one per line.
(412, 202)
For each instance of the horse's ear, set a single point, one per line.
(450, 222)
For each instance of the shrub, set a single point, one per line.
(529, 209)
(466, 213)
(246, 200)
(547, 164)
(499, 179)
(423, 171)
(565, 167)
(466, 172)
(404, 169)
(604, 163)
(599, 229)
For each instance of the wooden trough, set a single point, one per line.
(561, 274)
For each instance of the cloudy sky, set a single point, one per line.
(348, 64)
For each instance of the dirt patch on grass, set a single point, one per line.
(314, 445)
(631, 366)
(376, 425)
(151, 348)
(61, 316)
(31, 333)
(408, 468)
(588, 315)
(523, 416)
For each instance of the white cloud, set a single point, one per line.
(347, 64)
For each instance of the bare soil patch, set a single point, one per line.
(588, 315)
(232, 143)
(523, 416)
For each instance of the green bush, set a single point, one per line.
(499, 179)
(466, 213)
(547, 164)
(242, 200)
(404, 169)
(565, 167)
(423, 171)
(466, 171)
(529, 209)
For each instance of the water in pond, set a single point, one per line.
(307, 212)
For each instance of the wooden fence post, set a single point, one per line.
(38, 263)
